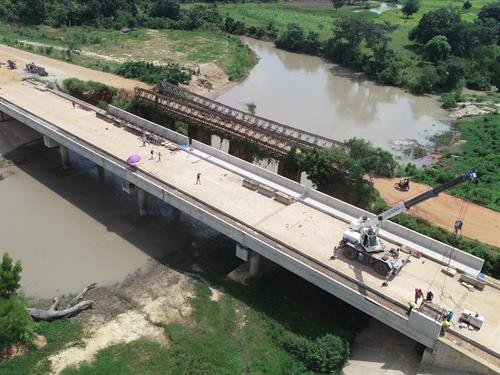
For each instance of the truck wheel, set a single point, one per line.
(350, 253)
(381, 268)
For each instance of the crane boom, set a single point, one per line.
(470, 176)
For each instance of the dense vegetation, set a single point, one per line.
(481, 150)
(16, 326)
(150, 73)
(429, 48)
(89, 91)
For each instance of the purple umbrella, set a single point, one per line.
(133, 159)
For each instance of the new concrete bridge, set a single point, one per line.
(272, 217)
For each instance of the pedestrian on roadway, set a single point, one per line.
(73, 104)
(418, 294)
(159, 156)
(198, 179)
(429, 296)
(458, 226)
(144, 139)
(152, 155)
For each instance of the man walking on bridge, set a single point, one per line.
(198, 179)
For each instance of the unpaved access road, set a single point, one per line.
(61, 70)
(480, 223)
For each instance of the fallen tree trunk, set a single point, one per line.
(52, 313)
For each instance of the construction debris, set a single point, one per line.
(11, 64)
(32, 68)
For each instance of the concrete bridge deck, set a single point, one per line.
(299, 236)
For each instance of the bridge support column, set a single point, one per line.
(64, 157)
(240, 150)
(251, 267)
(143, 202)
(100, 173)
(200, 134)
(289, 170)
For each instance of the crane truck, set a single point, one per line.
(361, 241)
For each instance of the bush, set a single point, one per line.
(326, 355)
(15, 323)
(426, 81)
(450, 99)
(438, 48)
(467, 5)
(150, 73)
(90, 91)
(477, 81)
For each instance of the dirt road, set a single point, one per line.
(60, 70)
(479, 222)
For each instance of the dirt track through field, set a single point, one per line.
(62, 70)
(480, 222)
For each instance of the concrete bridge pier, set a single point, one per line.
(4, 117)
(64, 157)
(143, 202)
(251, 267)
(100, 173)
(240, 150)
(200, 134)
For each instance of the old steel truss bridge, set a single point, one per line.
(276, 138)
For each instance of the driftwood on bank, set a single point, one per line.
(71, 310)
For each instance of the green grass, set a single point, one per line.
(481, 150)
(188, 48)
(241, 333)
(35, 361)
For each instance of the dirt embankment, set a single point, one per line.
(208, 79)
(139, 308)
(480, 222)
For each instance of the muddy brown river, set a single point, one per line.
(307, 93)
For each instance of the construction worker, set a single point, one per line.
(198, 179)
(445, 324)
(429, 296)
(418, 294)
(152, 155)
(458, 226)
(144, 140)
(159, 156)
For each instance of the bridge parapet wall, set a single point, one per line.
(431, 248)
(148, 125)
(249, 167)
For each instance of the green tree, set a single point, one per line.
(436, 22)
(15, 323)
(293, 39)
(491, 10)
(29, 12)
(467, 5)
(166, 8)
(10, 277)
(410, 7)
(337, 4)
(438, 48)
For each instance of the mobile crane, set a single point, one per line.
(361, 240)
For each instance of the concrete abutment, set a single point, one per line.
(65, 162)
(142, 198)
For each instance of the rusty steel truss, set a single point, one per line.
(197, 110)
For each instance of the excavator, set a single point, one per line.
(361, 240)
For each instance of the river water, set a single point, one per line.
(73, 229)
(307, 93)
(70, 230)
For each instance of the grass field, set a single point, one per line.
(101, 48)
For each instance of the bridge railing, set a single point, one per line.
(302, 136)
